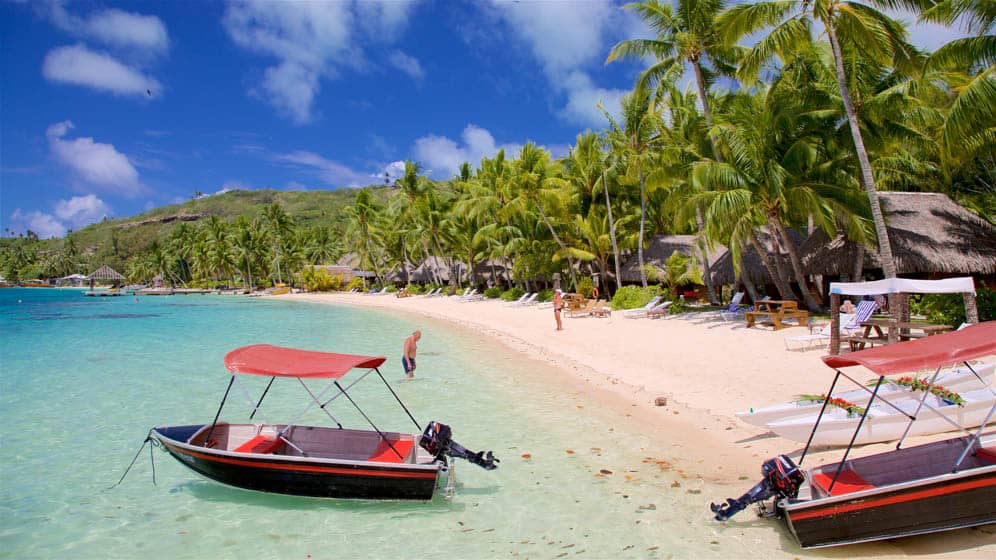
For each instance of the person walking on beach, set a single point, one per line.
(408, 354)
(558, 304)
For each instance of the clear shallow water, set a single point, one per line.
(83, 379)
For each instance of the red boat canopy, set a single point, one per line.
(280, 361)
(969, 343)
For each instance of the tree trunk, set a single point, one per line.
(706, 111)
(612, 233)
(867, 179)
(783, 290)
(643, 219)
(859, 263)
(749, 285)
(796, 264)
(704, 254)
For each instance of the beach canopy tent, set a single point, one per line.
(280, 361)
(74, 279)
(898, 290)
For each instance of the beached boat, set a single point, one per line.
(965, 378)
(330, 462)
(938, 486)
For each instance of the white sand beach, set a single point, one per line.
(707, 369)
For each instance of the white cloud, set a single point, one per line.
(114, 27)
(81, 210)
(233, 185)
(44, 225)
(99, 164)
(407, 64)
(79, 65)
(566, 38)
(311, 41)
(332, 172)
(73, 213)
(443, 156)
(394, 170)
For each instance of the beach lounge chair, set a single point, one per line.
(531, 300)
(659, 310)
(850, 323)
(465, 292)
(519, 301)
(582, 310)
(733, 310)
(469, 295)
(601, 310)
(642, 311)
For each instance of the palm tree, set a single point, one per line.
(864, 30)
(248, 245)
(362, 219)
(635, 144)
(278, 225)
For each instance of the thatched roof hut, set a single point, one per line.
(661, 247)
(107, 273)
(752, 267)
(929, 234)
(432, 267)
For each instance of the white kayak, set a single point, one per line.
(958, 380)
(885, 423)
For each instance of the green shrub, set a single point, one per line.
(631, 297)
(355, 283)
(414, 289)
(493, 292)
(512, 294)
(586, 287)
(949, 309)
(545, 295)
(319, 280)
(391, 288)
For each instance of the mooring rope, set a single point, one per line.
(153, 444)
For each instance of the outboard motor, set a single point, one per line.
(782, 478)
(437, 440)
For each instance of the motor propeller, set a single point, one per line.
(437, 440)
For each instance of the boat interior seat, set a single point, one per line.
(848, 481)
(384, 454)
(987, 454)
(261, 444)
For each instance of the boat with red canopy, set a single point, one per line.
(937, 486)
(321, 461)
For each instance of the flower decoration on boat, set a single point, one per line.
(849, 407)
(916, 384)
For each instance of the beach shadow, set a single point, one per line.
(759, 437)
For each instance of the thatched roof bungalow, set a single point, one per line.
(930, 235)
(752, 266)
(661, 247)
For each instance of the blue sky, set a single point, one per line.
(109, 109)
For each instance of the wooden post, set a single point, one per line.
(834, 324)
(971, 308)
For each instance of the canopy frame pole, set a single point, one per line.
(826, 401)
(316, 400)
(389, 388)
(350, 386)
(218, 414)
(261, 397)
(884, 400)
(840, 465)
(919, 406)
(367, 418)
(974, 440)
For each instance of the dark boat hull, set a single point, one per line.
(299, 476)
(949, 502)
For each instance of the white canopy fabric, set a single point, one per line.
(904, 286)
(75, 277)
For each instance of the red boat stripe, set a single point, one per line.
(309, 468)
(844, 508)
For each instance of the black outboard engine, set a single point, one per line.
(437, 439)
(782, 478)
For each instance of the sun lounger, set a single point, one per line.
(850, 323)
(519, 301)
(470, 295)
(531, 300)
(641, 311)
(733, 310)
(601, 310)
(659, 310)
(582, 310)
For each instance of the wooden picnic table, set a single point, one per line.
(875, 334)
(777, 310)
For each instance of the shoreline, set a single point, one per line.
(706, 369)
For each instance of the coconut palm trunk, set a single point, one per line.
(643, 220)
(570, 262)
(612, 232)
(867, 180)
(783, 289)
(796, 264)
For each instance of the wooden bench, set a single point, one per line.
(777, 311)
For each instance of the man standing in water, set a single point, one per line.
(408, 355)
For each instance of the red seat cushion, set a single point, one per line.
(848, 481)
(987, 454)
(384, 454)
(260, 444)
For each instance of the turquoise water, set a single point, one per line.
(83, 380)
